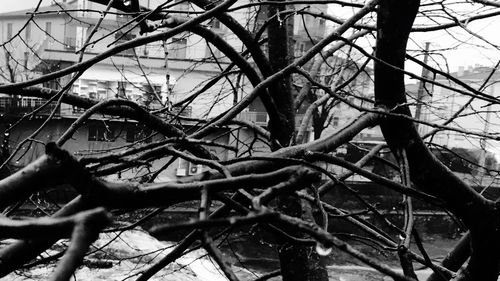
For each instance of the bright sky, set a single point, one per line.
(466, 53)
(9, 5)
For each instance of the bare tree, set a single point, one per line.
(283, 188)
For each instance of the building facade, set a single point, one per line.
(472, 117)
(157, 75)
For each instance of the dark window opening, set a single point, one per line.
(138, 133)
(122, 88)
(9, 31)
(69, 37)
(26, 58)
(335, 121)
(101, 132)
(48, 28)
(28, 32)
(52, 84)
(215, 24)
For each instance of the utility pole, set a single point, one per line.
(421, 85)
(483, 144)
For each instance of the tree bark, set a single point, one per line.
(298, 262)
(394, 22)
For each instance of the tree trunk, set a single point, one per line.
(280, 51)
(394, 22)
(298, 262)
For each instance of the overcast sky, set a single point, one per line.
(8, 5)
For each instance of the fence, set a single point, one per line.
(21, 106)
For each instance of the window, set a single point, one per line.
(182, 168)
(122, 89)
(101, 132)
(321, 23)
(212, 52)
(328, 78)
(70, 43)
(9, 31)
(215, 24)
(299, 49)
(26, 57)
(48, 28)
(186, 168)
(5, 102)
(52, 84)
(69, 37)
(335, 121)
(130, 134)
(102, 90)
(138, 133)
(177, 48)
(28, 32)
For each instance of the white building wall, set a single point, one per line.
(185, 71)
(28, 46)
(479, 117)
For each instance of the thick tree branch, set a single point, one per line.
(394, 23)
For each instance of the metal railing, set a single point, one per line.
(20, 106)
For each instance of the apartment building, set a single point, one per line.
(156, 75)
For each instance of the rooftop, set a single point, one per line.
(53, 7)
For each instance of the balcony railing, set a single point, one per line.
(186, 112)
(20, 106)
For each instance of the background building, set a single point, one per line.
(439, 104)
(157, 75)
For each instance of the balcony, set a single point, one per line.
(20, 106)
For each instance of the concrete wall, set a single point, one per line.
(82, 144)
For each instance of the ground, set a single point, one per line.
(251, 251)
(129, 252)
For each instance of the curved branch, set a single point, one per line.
(129, 195)
(395, 18)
